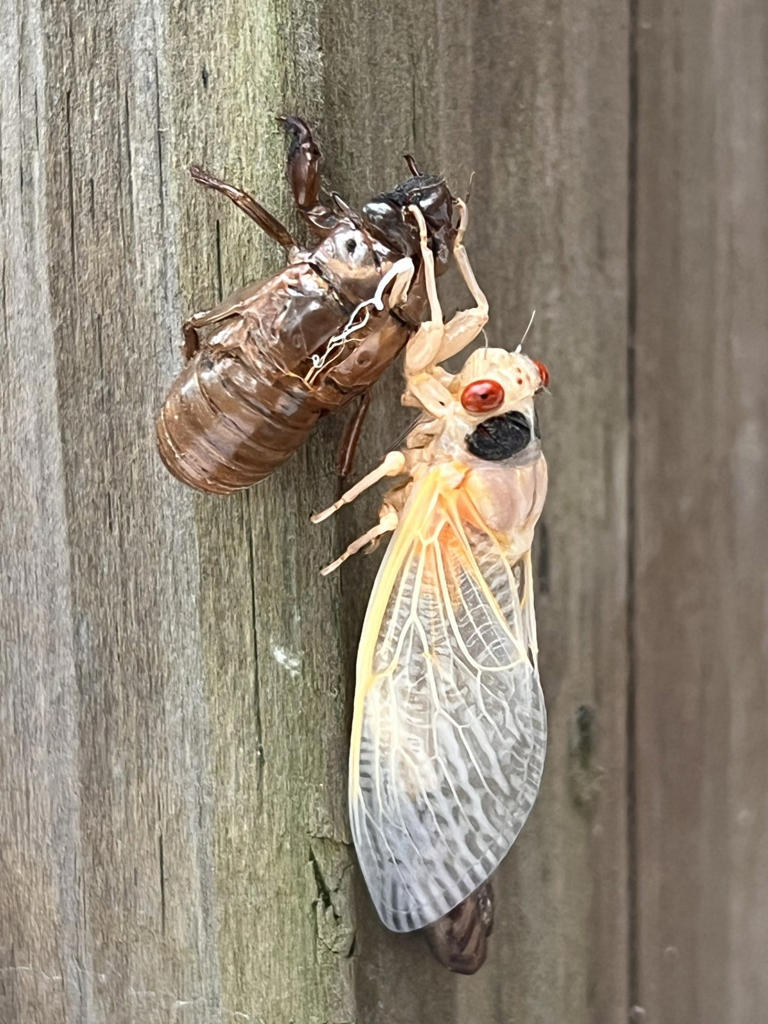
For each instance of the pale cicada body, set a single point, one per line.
(449, 730)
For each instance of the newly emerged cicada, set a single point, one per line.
(449, 730)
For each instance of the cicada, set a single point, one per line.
(272, 358)
(449, 728)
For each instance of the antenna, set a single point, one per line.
(469, 188)
(413, 167)
(525, 333)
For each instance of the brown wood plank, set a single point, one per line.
(176, 690)
(39, 932)
(700, 491)
(519, 104)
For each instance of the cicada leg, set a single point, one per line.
(426, 342)
(465, 325)
(413, 167)
(250, 207)
(351, 436)
(393, 465)
(387, 523)
(427, 391)
(303, 170)
(436, 341)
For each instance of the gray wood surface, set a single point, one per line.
(177, 678)
(700, 487)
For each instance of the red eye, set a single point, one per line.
(543, 373)
(482, 396)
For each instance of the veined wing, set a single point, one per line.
(449, 731)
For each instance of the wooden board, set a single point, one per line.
(700, 490)
(176, 678)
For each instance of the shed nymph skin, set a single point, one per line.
(266, 363)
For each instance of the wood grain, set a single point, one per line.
(176, 677)
(700, 489)
(549, 231)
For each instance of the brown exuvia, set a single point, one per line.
(283, 353)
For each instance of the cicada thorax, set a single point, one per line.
(508, 500)
(248, 399)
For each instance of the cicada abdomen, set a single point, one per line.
(459, 939)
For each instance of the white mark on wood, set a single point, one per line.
(290, 662)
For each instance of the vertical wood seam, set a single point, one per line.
(631, 778)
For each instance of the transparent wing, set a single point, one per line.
(449, 733)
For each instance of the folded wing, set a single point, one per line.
(449, 734)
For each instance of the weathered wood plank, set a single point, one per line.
(701, 489)
(516, 102)
(39, 934)
(177, 688)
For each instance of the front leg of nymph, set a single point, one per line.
(250, 207)
(303, 172)
(345, 456)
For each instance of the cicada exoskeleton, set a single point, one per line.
(271, 359)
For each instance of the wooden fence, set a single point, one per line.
(176, 677)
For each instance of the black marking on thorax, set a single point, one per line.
(500, 437)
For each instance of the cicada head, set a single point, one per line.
(386, 217)
(515, 378)
(492, 416)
